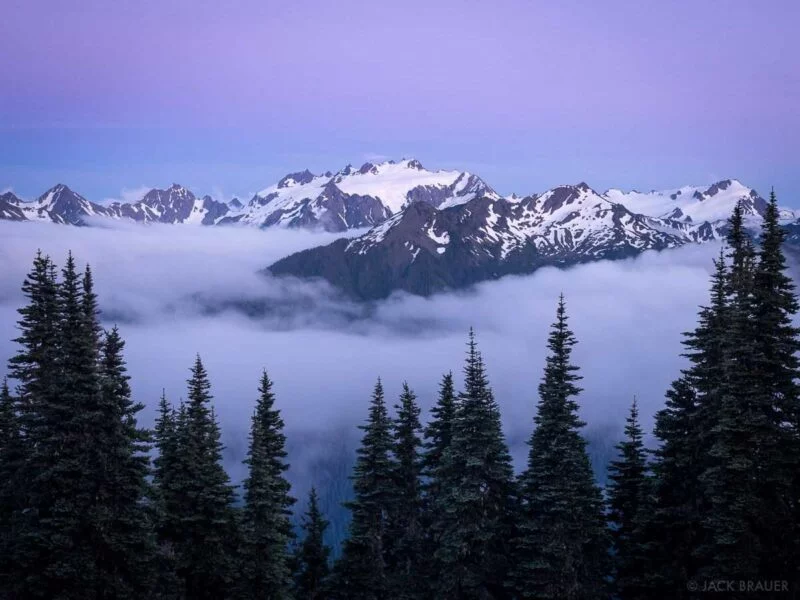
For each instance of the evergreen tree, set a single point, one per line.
(474, 510)
(165, 472)
(205, 532)
(311, 578)
(776, 304)
(53, 548)
(706, 348)
(360, 573)
(753, 454)
(124, 540)
(35, 365)
(777, 343)
(675, 531)
(167, 501)
(405, 520)
(165, 437)
(562, 546)
(266, 525)
(627, 498)
(438, 435)
(741, 434)
(674, 526)
(741, 255)
(83, 531)
(35, 368)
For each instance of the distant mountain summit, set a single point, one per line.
(695, 204)
(177, 204)
(10, 209)
(353, 198)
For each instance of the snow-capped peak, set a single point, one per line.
(397, 184)
(693, 204)
(357, 197)
(299, 178)
(566, 198)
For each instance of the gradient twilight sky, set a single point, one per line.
(226, 97)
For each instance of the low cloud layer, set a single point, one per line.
(174, 291)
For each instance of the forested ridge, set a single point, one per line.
(94, 506)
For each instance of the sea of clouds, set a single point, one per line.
(176, 291)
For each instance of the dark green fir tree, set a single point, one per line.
(405, 533)
(35, 369)
(360, 573)
(739, 434)
(676, 536)
(265, 517)
(206, 533)
(54, 549)
(562, 545)
(748, 482)
(627, 499)
(778, 343)
(313, 555)
(168, 504)
(437, 439)
(124, 540)
(438, 436)
(474, 509)
(674, 526)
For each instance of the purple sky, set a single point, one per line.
(228, 96)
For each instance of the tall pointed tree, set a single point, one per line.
(165, 437)
(360, 573)
(124, 539)
(438, 435)
(168, 504)
(562, 545)
(266, 527)
(437, 440)
(313, 555)
(473, 511)
(627, 497)
(206, 528)
(55, 552)
(35, 367)
(166, 472)
(741, 436)
(753, 457)
(685, 428)
(83, 530)
(405, 533)
(776, 360)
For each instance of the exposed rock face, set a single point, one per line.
(355, 198)
(10, 208)
(423, 250)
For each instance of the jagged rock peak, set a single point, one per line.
(299, 178)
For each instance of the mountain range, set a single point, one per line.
(350, 198)
(424, 250)
(430, 230)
